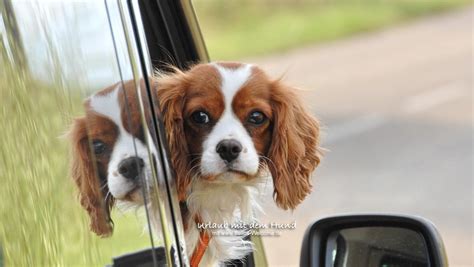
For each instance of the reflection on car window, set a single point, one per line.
(73, 39)
(60, 72)
(159, 188)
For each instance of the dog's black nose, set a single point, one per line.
(131, 167)
(229, 149)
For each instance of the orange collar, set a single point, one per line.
(198, 253)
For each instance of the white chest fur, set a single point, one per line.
(222, 206)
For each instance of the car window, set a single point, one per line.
(163, 206)
(76, 89)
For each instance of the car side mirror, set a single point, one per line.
(372, 240)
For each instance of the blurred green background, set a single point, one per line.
(42, 223)
(245, 28)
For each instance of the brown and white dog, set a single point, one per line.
(229, 127)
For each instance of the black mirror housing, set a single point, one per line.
(319, 243)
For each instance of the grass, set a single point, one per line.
(239, 29)
(42, 223)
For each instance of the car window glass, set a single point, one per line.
(161, 200)
(55, 58)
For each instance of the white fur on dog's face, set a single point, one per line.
(227, 127)
(125, 146)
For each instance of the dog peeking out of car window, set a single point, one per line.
(229, 129)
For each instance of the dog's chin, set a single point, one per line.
(231, 176)
(134, 195)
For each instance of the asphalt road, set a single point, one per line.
(396, 106)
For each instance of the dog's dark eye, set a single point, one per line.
(257, 118)
(98, 146)
(200, 117)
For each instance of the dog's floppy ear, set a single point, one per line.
(171, 92)
(84, 175)
(294, 151)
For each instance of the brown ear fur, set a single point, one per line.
(294, 150)
(84, 175)
(171, 91)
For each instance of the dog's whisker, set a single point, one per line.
(193, 160)
(107, 196)
(103, 186)
(267, 159)
(189, 172)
